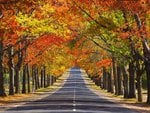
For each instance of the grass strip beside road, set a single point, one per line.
(40, 93)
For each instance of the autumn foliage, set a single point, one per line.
(104, 37)
(104, 63)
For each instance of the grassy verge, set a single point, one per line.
(131, 103)
(27, 97)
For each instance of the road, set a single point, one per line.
(73, 97)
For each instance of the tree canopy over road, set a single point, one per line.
(40, 39)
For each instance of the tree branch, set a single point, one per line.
(89, 15)
(8, 1)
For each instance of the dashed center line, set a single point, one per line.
(74, 97)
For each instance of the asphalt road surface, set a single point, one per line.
(73, 97)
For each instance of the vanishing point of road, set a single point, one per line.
(73, 97)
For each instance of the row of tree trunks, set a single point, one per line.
(37, 81)
(42, 81)
(19, 70)
(120, 80)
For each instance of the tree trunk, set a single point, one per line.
(139, 72)
(147, 64)
(54, 79)
(115, 75)
(11, 71)
(33, 79)
(131, 81)
(147, 67)
(139, 88)
(44, 74)
(108, 82)
(17, 75)
(24, 80)
(2, 88)
(17, 70)
(48, 80)
(42, 77)
(125, 82)
(112, 80)
(146, 51)
(96, 80)
(119, 78)
(28, 79)
(36, 78)
(100, 82)
(104, 79)
(51, 80)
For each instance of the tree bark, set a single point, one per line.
(17, 70)
(100, 82)
(111, 81)
(28, 78)
(36, 78)
(139, 88)
(17, 83)
(147, 64)
(51, 80)
(125, 81)
(42, 77)
(146, 51)
(119, 79)
(131, 81)
(2, 88)
(55, 78)
(115, 75)
(108, 82)
(24, 80)
(11, 70)
(139, 72)
(48, 80)
(44, 74)
(33, 79)
(104, 79)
